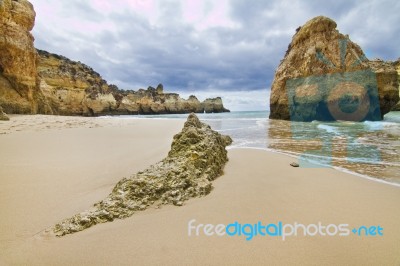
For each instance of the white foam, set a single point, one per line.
(329, 129)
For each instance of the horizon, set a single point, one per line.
(200, 47)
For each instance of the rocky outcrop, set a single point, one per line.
(325, 76)
(18, 72)
(196, 158)
(72, 88)
(3, 116)
(397, 64)
(214, 105)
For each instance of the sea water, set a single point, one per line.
(368, 148)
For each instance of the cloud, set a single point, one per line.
(201, 46)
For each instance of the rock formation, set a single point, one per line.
(212, 104)
(3, 116)
(325, 76)
(196, 158)
(18, 73)
(34, 81)
(397, 64)
(72, 88)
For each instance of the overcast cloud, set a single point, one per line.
(206, 48)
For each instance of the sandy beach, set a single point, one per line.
(54, 167)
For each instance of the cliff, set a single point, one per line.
(18, 71)
(35, 81)
(72, 88)
(397, 64)
(186, 172)
(326, 76)
(212, 104)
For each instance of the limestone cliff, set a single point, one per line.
(39, 82)
(196, 158)
(18, 72)
(397, 64)
(212, 104)
(326, 76)
(72, 88)
(69, 86)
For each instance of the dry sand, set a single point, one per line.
(54, 167)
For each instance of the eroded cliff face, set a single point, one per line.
(18, 72)
(397, 64)
(40, 82)
(72, 88)
(321, 66)
(212, 104)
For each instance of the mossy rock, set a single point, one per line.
(197, 157)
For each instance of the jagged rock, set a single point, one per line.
(3, 116)
(325, 76)
(194, 105)
(214, 106)
(196, 158)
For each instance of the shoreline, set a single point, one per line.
(127, 118)
(338, 168)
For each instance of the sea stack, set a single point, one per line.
(325, 76)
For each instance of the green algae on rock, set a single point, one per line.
(197, 157)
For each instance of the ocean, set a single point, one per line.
(370, 149)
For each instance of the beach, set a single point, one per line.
(52, 167)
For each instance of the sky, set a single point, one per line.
(227, 48)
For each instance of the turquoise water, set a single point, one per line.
(367, 148)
